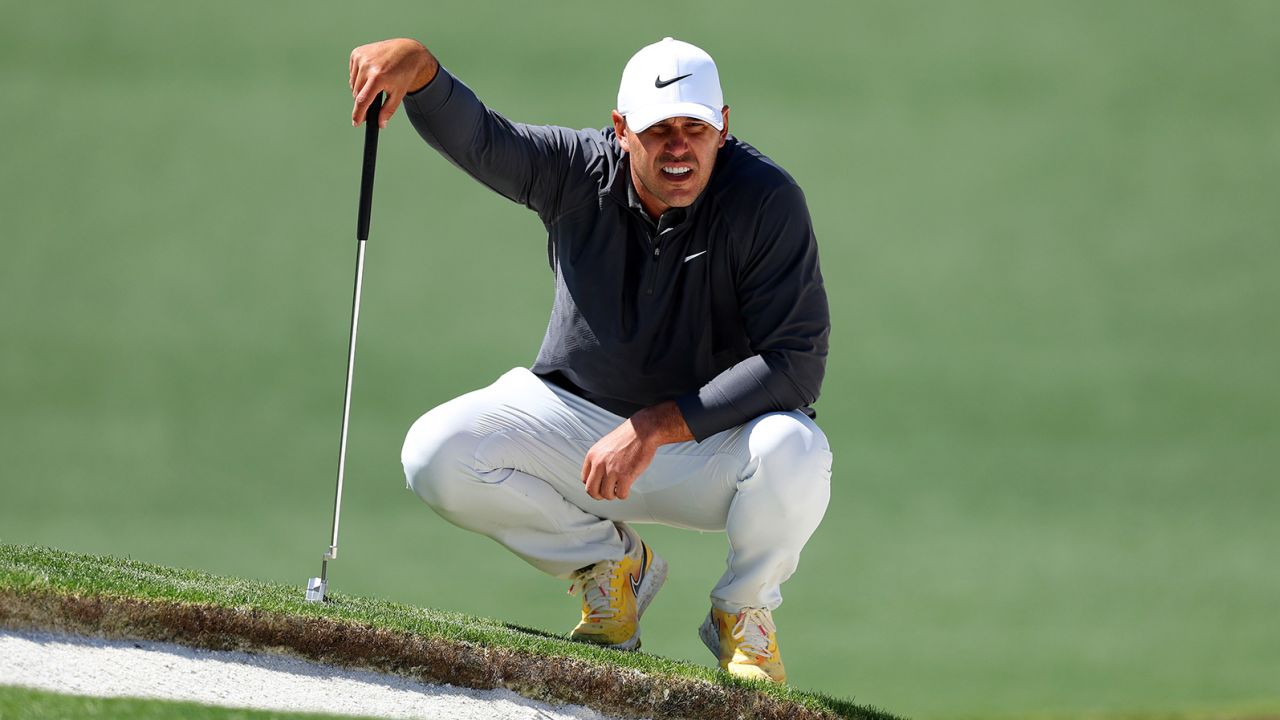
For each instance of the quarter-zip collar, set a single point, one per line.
(623, 190)
(669, 220)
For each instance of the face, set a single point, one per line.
(671, 161)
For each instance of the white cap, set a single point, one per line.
(670, 79)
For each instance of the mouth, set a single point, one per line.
(677, 172)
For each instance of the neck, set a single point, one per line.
(652, 206)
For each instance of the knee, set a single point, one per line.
(790, 450)
(438, 457)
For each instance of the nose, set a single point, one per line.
(677, 143)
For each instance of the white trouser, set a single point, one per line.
(506, 461)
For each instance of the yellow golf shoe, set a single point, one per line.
(615, 595)
(746, 644)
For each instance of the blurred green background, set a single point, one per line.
(1049, 232)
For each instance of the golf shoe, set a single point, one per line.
(746, 643)
(615, 595)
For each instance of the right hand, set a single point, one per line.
(398, 67)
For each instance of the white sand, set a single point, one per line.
(88, 666)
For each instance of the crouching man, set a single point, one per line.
(687, 341)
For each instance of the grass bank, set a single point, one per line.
(121, 598)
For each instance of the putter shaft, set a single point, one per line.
(362, 235)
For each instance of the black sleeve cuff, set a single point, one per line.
(695, 414)
(431, 97)
(743, 392)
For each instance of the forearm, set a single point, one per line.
(661, 424)
(427, 71)
(446, 115)
(523, 163)
(618, 458)
(760, 384)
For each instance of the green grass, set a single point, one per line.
(1049, 236)
(25, 568)
(1254, 711)
(26, 704)
(28, 571)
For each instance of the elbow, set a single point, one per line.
(799, 379)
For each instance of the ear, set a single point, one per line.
(724, 132)
(620, 129)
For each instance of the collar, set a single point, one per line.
(669, 219)
(623, 190)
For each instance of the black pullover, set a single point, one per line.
(719, 307)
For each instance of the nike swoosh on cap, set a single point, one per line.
(690, 257)
(658, 82)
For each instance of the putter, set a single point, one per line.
(318, 587)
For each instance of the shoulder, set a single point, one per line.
(593, 154)
(584, 161)
(748, 187)
(607, 151)
(587, 146)
(741, 168)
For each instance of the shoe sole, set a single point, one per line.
(710, 636)
(649, 587)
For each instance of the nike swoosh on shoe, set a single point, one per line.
(636, 582)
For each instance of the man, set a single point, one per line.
(687, 339)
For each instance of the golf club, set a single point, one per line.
(318, 587)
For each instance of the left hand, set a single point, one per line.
(617, 459)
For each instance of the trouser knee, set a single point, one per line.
(438, 459)
(790, 454)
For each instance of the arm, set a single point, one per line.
(784, 308)
(617, 459)
(785, 314)
(525, 163)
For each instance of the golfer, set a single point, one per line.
(687, 340)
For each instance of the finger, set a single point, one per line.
(607, 487)
(364, 98)
(389, 107)
(595, 477)
(359, 75)
(362, 77)
(622, 486)
(351, 70)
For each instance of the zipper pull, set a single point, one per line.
(656, 252)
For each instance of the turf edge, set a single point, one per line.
(52, 590)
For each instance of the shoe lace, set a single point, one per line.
(595, 584)
(753, 630)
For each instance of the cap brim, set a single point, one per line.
(643, 119)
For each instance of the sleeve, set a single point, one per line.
(785, 313)
(528, 164)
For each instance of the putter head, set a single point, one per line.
(316, 589)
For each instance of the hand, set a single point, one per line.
(399, 67)
(617, 459)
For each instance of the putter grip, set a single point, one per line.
(366, 174)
